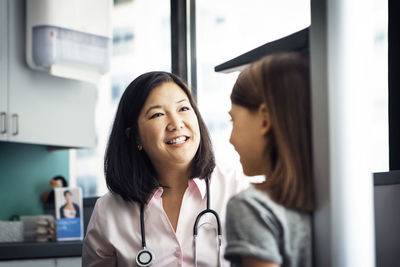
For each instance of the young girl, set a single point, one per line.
(269, 224)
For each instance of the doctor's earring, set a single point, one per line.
(139, 147)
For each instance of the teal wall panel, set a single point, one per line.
(25, 172)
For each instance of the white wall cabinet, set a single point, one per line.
(36, 107)
(3, 69)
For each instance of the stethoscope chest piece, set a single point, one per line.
(144, 257)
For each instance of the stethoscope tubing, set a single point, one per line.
(142, 226)
(144, 257)
(199, 217)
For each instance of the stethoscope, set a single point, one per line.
(145, 257)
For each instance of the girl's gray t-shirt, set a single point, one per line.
(257, 226)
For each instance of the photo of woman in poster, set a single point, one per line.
(69, 209)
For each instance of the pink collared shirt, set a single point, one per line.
(113, 236)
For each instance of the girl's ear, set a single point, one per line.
(264, 119)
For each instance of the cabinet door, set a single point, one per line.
(3, 69)
(44, 109)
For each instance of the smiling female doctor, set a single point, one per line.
(160, 169)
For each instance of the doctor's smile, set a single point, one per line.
(177, 141)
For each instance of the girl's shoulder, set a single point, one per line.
(258, 201)
(254, 198)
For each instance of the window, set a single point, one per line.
(227, 29)
(379, 160)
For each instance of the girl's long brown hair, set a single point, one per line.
(282, 82)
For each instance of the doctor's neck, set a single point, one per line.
(174, 178)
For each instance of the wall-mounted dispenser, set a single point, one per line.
(69, 38)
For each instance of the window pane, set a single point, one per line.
(226, 29)
(141, 43)
(379, 159)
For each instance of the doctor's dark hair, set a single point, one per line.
(282, 82)
(128, 170)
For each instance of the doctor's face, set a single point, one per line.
(168, 127)
(248, 139)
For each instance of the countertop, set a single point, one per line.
(35, 250)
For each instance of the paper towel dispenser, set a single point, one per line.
(69, 38)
